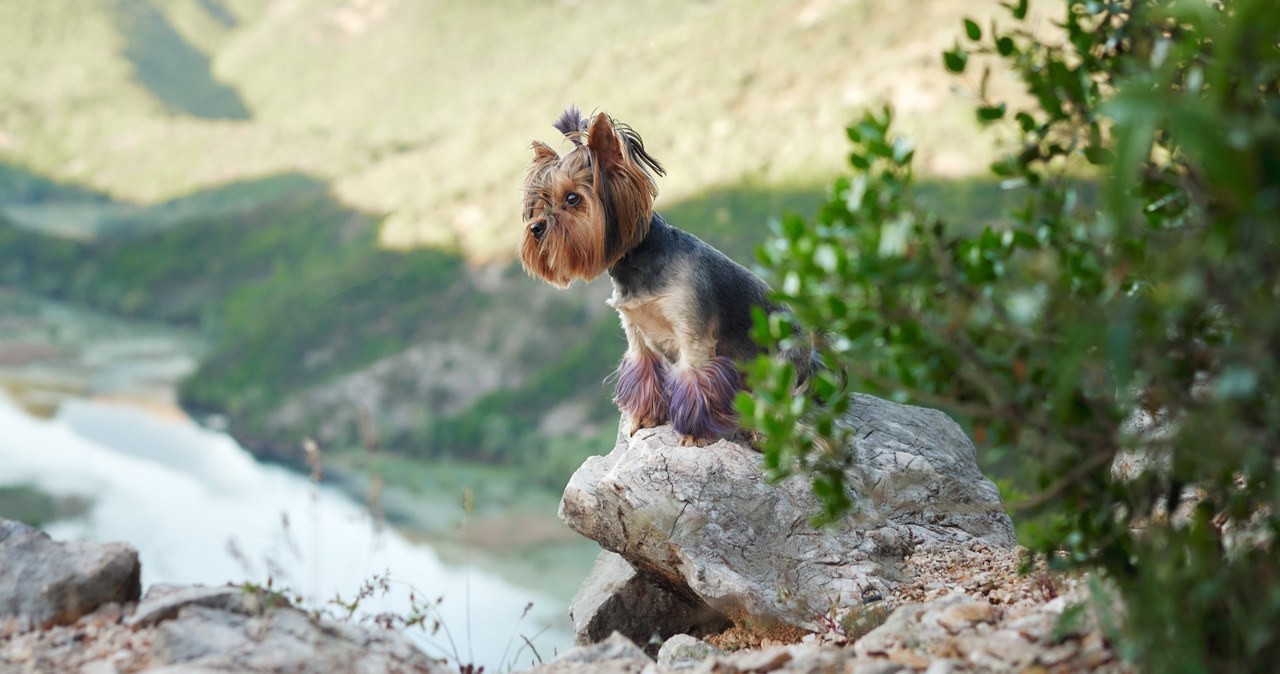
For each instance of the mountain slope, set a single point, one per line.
(245, 165)
(422, 111)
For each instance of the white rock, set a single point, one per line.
(706, 519)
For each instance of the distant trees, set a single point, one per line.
(1137, 320)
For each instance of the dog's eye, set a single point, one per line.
(572, 199)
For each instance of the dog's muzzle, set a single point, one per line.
(538, 230)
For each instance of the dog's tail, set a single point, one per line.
(806, 358)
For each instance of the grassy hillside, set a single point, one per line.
(422, 111)
(328, 188)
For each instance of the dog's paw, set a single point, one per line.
(646, 422)
(693, 441)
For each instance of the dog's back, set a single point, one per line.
(721, 292)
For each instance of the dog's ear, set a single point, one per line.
(543, 153)
(606, 147)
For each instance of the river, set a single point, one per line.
(200, 509)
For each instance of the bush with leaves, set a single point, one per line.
(1137, 321)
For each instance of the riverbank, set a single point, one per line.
(52, 352)
(96, 397)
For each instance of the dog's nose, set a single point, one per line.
(538, 229)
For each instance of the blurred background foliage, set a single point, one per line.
(1112, 351)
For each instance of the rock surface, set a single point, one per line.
(705, 524)
(965, 609)
(164, 601)
(45, 582)
(615, 654)
(196, 629)
(67, 607)
(615, 598)
(683, 651)
(280, 639)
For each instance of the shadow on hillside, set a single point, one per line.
(217, 10)
(173, 70)
(19, 185)
(736, 218)
(43, 205)
(164, 261)
(291, 286)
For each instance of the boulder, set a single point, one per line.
(683, 651)
(163, 601)
(231, 630)
(280, 639)
(62, 608)
(705, 524)
(44, 582)
(615, 598)
(615, 654)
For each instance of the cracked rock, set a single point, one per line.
(704, 523)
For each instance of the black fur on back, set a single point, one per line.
(725, 291)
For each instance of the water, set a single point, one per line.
(199, 508)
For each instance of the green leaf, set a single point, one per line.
(746, 405)
(837, 307)
(903, 150)
(990, 113)
(1099, 156)
(1024, 239)
(1026, 121)
(880, 149)
(793, 227)
(955, 59)
(870, 129)
(1004, 45)
(972, 30)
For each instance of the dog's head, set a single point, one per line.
(585, 210)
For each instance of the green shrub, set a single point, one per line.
(1142, 321)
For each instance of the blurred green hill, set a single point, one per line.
(329, 188)
(422, 110)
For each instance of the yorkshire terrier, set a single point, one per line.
(685, 306)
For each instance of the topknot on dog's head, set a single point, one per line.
(572, 124)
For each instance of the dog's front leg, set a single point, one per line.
(701, 399)
(642, 390)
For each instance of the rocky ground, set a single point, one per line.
(199, 629)
(707, 568)
(965, 609)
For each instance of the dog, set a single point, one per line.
(685, 307)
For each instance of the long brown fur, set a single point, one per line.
(578, 242)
